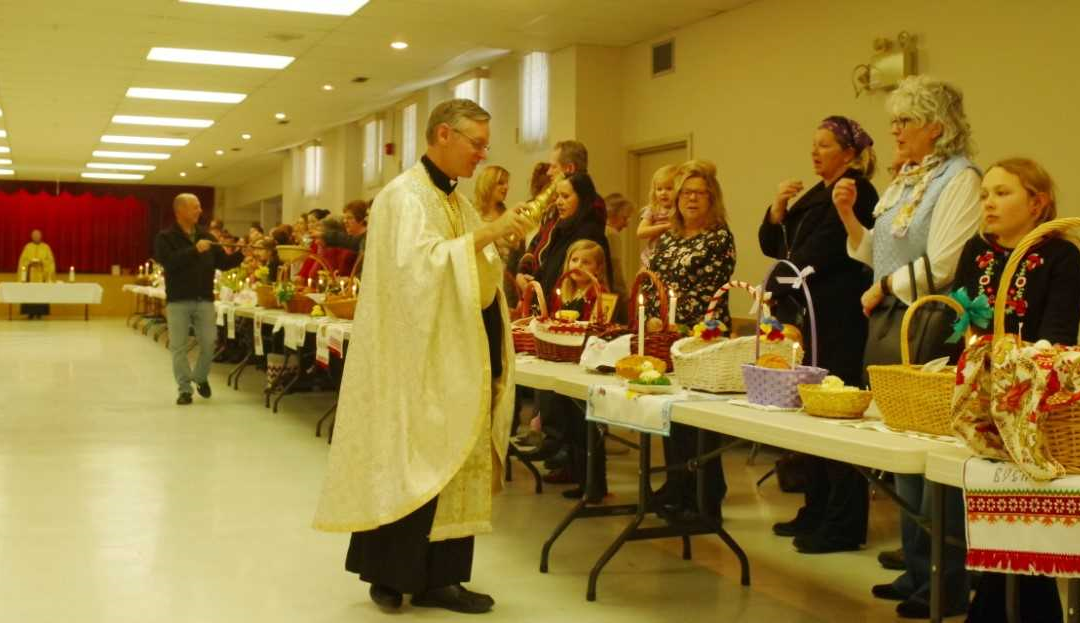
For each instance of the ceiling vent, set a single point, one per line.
(663, 58)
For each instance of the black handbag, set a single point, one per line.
(929, 329)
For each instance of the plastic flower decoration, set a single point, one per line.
(709, 330)
(771, 330)
(262, 273)
(976, 312)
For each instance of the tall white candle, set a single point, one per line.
(794, 355)
(641, 325)
(309, 283)
(673, 302)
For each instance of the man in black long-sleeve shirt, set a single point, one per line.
(186, 252)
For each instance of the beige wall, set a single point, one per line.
(752, 84)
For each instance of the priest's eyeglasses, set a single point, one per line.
(477, 144)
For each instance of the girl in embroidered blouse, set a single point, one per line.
(575, 292)
(656, 217)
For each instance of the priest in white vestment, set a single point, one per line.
(427, 396)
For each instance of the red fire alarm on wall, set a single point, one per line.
(389, 149)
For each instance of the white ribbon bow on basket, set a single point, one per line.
(796, 282)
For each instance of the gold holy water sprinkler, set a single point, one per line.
(534, 208)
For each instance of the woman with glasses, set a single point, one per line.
(929, 210)
(695, 257)
(810, 233)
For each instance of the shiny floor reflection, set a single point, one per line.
(117, 505)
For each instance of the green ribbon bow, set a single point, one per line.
(976, 312)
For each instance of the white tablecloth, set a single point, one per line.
(57, 293)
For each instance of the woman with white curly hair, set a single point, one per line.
(922, 222)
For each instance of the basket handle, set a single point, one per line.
(661, 292)
(1034, 237)
(755, 294)
(529, 261)
(905, 324)
(531, 290)
(594, 285)
(809, 307)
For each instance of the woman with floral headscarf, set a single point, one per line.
(810, 233)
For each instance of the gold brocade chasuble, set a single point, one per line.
(39, 258)
(419, 415)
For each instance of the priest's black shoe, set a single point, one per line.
(887, 591)
(183, 399)
(796, 527)
(204, 389)
(892, 559)
(456, 598)
(385, 597)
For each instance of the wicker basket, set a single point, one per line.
(658, 343)
(776, 387)
(910, 399)
(300, 303)
(343, 305)
(716, 366)
(845, 405)
(264, 294)
(524, 341)
(1061, 428)
(555, 346)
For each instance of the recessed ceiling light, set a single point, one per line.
(169, 122)
(220, 152)
(114, 176)
(1, 113)
(120, 166)
(3, 133)
(399, 45)
(322, 7)
(213, 57)
(131, 155)
(4, 149)
(200, 165)
(144, 140)
(280, 115)
(7, 172)
(180, 95)
(183, 174)
(327, 87)
(6, 161)
(246, 136)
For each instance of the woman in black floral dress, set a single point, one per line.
(695, 258)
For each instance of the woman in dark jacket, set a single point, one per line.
(810, 233)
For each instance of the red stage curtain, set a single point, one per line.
(89, 232)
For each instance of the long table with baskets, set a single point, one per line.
(866, 448)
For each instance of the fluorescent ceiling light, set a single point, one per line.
(144, 140)
(130, 155)
(120, 166)
(213, 57)
(3, 133)
(399, 45)
(183, 174)
(179, 95)
(246, 136)
(5, 150)
(169, 122)
(322, 7)
(279, 116)
(1, 113)
(220, 152)
(114, 176)
(327, 87)
(7, 172)
(6, 161)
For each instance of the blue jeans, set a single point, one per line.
(915, 582)
(183, 316)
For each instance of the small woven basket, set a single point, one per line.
(716, 365)
(343, 305)
(520, 329)
(845, 405)
(776, 387)
(264, 295)
(555, 346)
(299, 303)
(910, 399)
(658, 343)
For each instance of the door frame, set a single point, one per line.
(635, 151)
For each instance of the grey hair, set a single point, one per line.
(929, 100)
(183, 199)
(452, 112)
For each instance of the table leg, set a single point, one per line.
(86, 313)
(1072, 604)
(744, 562)
(318, 425)
(1010, 599)
(937, 547)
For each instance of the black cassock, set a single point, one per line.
(399, 555)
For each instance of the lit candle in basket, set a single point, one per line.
(673, 302)
(320, 283)
(641, 325)
(309, 283)
(355, 289)
(794, 355)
